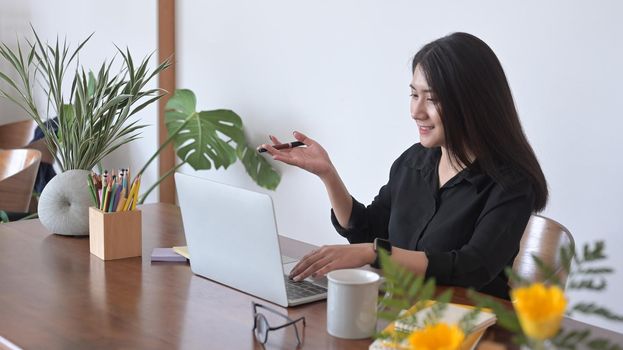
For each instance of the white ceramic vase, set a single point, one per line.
(64, 204)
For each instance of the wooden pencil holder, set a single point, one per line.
(115, 235)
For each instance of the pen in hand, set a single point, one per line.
(283, 146)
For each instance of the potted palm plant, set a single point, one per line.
(93, 116)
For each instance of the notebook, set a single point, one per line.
(166, 254)
(183, 251)
(452, 315)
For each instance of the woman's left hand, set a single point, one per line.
(333, 257)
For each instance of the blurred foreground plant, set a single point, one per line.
(405, 295)
(539, 308)
(536, 303)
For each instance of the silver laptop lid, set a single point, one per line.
(231, 235)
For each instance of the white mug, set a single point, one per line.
(351, 303)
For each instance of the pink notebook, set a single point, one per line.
(166, 254)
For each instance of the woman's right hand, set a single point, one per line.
(312, 158)
(315, 159)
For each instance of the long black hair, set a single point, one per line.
(477, 110)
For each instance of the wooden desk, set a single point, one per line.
(55, 295)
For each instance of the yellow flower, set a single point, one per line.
(437, 337)
(540, 309)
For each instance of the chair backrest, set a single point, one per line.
(543, 237)
(17, 134)
(18, 171)
(20, 135)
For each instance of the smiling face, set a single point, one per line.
(424, 112)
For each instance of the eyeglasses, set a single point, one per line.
(261, 326)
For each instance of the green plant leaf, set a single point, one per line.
(581, 339)
(568, 340)
(415, 287)
(198, 142)
(3, 216)
(595, 271)
(549, 274)
(405, 291)
(258, 167)
(436, 311)
(467, 322)
(505, 318)
(445, 297)
(514, 278)
(386, 315)
(69, 113)
(567, 256)
(395, 303)
(91, 84)
(213, 138)
(427, 290)
(183, 101)
(594, 309)
(30, 216)
(591, 284)
(596, 252)
(198, 135)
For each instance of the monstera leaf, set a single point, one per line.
(215, 138)
(257, 167)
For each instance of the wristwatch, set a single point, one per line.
(380, 243)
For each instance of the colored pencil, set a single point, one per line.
(138, 185)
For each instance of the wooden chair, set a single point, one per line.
(542, 237)
(20, 134)
(17, 134)
(18, 171)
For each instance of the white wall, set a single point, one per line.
(339, 71)
(131, 24)
(14, 18)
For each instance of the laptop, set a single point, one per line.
(232, 239)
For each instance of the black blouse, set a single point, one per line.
(469, 229)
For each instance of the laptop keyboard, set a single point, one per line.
(302, 289)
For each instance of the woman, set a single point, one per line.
(457, 203)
